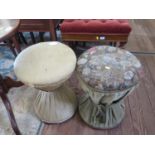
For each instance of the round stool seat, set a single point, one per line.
(107, 75)
(46, 66)
(108, 68)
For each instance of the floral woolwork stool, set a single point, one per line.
(46, 66)
(107, 75)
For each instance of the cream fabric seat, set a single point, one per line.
(46, 66)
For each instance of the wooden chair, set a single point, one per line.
(115, 32)
(5, 84)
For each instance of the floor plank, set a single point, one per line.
(143, 35)
(126, 128)
(136, 114)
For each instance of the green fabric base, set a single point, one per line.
(100, 115)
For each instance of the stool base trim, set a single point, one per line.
(56, 106)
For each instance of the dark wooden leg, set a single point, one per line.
(122, 44)
(10, 112)
(84, 44)
(71, 44)
(18, 38)
(52, 30)
(32, 37)
(11, 47)
(52, 36)
(16, 44)
(114, 44)
(75, 44)
(23, 38)
(65, 42)
(111, 43)
(41, 36)
(9, 83)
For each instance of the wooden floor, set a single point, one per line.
(142, 37)
(140, 105)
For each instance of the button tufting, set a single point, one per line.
(95, 26)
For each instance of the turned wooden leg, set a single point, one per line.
(10, 112)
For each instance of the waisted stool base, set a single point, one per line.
(56, 106)
(101, 116)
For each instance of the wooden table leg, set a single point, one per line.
(52, 31)
(11, 47)
(10, 112)
(122, 44)
(41, 35)
(16, 43)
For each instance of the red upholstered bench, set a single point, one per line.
(111, 30)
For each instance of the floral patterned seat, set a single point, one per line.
(109, 69)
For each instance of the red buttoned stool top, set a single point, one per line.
(116, 30)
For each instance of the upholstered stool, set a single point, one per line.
(46, 66)
(107, 75)
(111, 30)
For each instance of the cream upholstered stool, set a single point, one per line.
(107, 75)
(46, 66)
